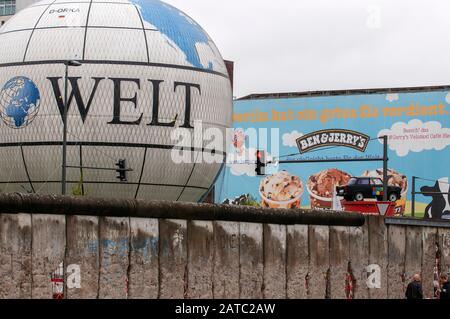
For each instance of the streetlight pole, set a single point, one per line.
(64, 146)
(66, 107)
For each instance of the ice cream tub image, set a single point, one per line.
(320, 187)
(394, 179)
(281, 190)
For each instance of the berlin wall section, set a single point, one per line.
(70, 256)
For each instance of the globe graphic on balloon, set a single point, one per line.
(19, 102)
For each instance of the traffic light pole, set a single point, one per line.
(102, 168)
(122, 170)
(330, 161)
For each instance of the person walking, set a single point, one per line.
(445, 287)
(414, 289)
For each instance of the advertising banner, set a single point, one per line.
(318, 129)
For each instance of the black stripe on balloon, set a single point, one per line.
(85, 31)
(112, 62)
(114, 144)
(107, 182)
(142, 173)
(26, 169)
(145, 34)
(77, 27)
(32, 32)
(82, 2)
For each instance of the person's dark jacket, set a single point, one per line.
(414, 291)
(445, 291)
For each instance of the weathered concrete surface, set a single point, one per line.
(429, 248)
(48, 250)
(359, 259)
(82, 252)
(226, 260)
(173, 259)
(274, 262)
(251, 261)
(339, 259)
(114, 257)
(200, 260)
(378, 254)
(117, 207)
(444, 248)
(134, 257)
(297, 261)
(318, 283)
(396, 263)
(413, 253)
(15, 256)
(143, 273)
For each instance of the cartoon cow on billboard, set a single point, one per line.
(439, 208)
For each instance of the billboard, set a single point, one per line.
(317, 129)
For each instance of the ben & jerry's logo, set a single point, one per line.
(335, 137)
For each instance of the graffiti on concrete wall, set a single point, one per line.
(57, 280)
(74, 276)
(177, 239)
(373, 276)
(446, 245)
(73, 273)
(445, 255)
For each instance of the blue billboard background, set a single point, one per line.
(418, 126)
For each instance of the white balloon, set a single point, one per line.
(146, 70)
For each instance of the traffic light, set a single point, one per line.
(122, 170)
(260, 163)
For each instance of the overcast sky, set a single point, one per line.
(302, 45)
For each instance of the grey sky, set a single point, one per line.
(302, 45)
